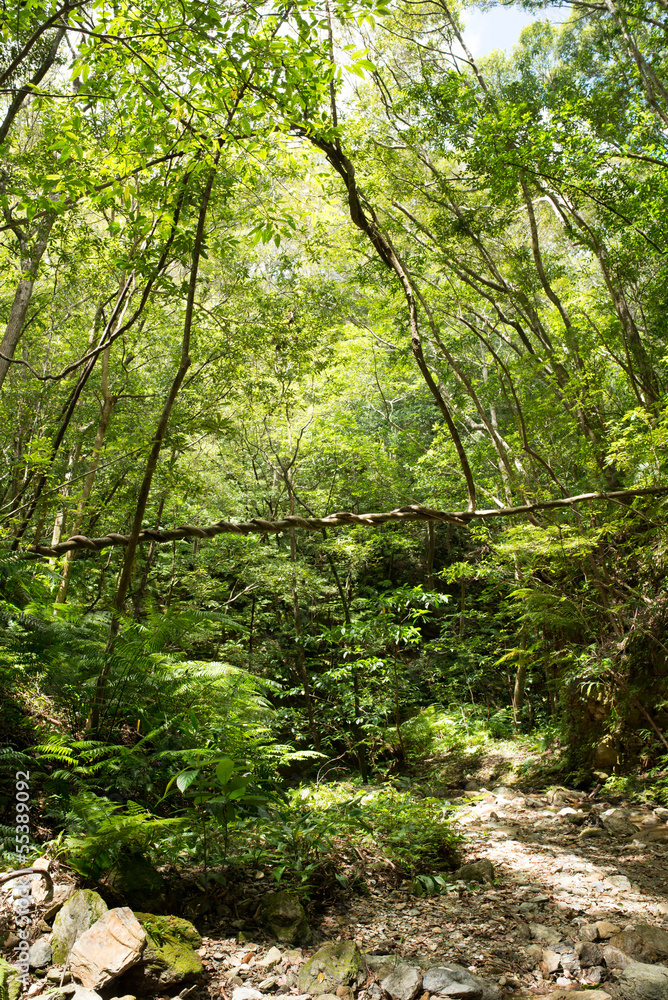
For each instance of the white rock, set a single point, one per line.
(246, 993)
(270, 960)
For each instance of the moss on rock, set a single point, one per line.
(169, 956)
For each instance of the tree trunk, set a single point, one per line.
(29, 264)
(154, 455)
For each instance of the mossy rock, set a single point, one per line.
(169, 956)
(76, 915)
(136, 882)
(10, 981)
(284, 918)
(337, 963)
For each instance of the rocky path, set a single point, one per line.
(578, 902)
(560, 897)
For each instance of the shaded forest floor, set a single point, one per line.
(523, 932)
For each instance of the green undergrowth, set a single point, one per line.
(344, 832)
(454, 745)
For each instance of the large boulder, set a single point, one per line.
(337, 963)
(76, 915)
(134, 880)
(643, 982)
(110, 947)
(10, 981)
(284, 918)
(169, 956)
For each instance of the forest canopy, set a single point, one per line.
(332, 386)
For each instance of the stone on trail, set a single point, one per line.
(478, 871)
(81, 993)
(591, 832)
(643, 982)
(169, 956)
(580, 995)
(110, 947)
(617, 823)
(337, 963)
(76, 916)
(614, 958)
(270, 960)
(550, 961)
(246, 993)
(541, 932)
(629, 943)
(39, 954)
(590, 954)
(403, 983)
(453, 980)
(654, 939)
(284, 917)
(606, 930)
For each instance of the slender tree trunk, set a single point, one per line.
(108, 402)
(520, 679)
(154, 454)
(29, 265)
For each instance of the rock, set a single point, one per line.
(169, 956)
(540, 932)
(606, 930)
(614, 958)
(533, 954)
(617, 823)
(550, 961)
(616, 884)
(471, 786)
(590, 954)
(110, 947)
(81, 993)
(478, 871)
(643, 982)
(403, 983)
(657, 835)
(40, 954)
(504, 792)
(136, 882)
(337, 963)
(589, 932)
(10, 981)
(654, 939)
(55, 975)
(591, 833)
(75, 916)
(629, 943)
(453, 980)
(246, 993)
(381, 964)
(580, 995)
(270, 960)
(284, 918)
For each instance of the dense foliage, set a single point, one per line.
(288, 260)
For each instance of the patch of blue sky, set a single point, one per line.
(500, 27)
